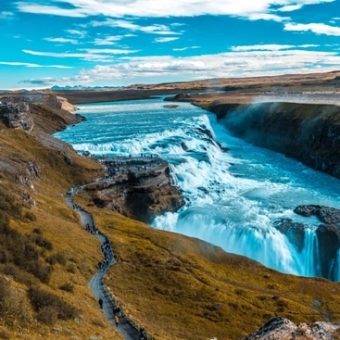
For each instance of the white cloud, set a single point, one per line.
(80, 34)
(6, 15)
(152, 29)
(229, 64)
(255, 10)
(185, 48)
(15, 63)
(35, 8)
(316, 28)
(62, 40)
(177, 24)
(264, 47)
(268, 47)
(108, 40)
(97, 55)
(266, 16)
(290, 8)
(44, 82)
(108, 51)
(165, 39)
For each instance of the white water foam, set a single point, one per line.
(233, 198)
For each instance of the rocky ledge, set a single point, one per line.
(16, 115)
(37, 110)
(306, 132)
(280, 328)
(327, 235)
(137, 187)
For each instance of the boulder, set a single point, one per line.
(329, 243)
(306, 210)
(325, 214)
(279, 328)
(295, 232)
(30, 171)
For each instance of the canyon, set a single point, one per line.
(173, 285)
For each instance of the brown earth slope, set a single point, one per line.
(183, 288)
(44, 269)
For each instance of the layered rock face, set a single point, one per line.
(16, 115)
(327, 234)
(307, 132)
(26, 111)
(283, 329)
(140, 188)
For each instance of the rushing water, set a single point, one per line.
(233, 197)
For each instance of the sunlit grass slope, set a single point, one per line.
(183, 288)
(46, 258)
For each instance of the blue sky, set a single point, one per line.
(122, 42)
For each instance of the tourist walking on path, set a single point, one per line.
(126, 328)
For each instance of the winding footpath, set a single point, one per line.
(125, 327)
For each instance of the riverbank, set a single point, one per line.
(157, 267)
(178, 287)
(303, 126)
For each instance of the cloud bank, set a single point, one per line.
(253, 10)
(229, 64)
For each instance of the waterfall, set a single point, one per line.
(310, 255)
(232, 198)
(337, 267)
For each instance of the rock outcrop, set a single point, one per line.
(283, 329)
(328, 236)
(16, 115)
(65, 105)
(25, 111)
(30, 171)
(329, 244)
(295, 232)
(139, 187)
(307, 132)
(326, 215)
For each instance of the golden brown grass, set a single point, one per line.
(183, 288)
(176, 287)
(75, 253)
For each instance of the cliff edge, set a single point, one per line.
(307, 132)
(137, 187)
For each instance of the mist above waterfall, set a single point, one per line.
(232, 198)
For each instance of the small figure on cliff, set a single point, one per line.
(116, 311)
(142, 334)
(116, 320)
(100, 301)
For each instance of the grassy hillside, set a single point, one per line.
(174, 286)
(183, 288)
(44, 269)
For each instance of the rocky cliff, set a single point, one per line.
(327, 234)
(283, 329)
(309, 133)
(138, 187)
(16, 115)
(46, 112)
(42, 291)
